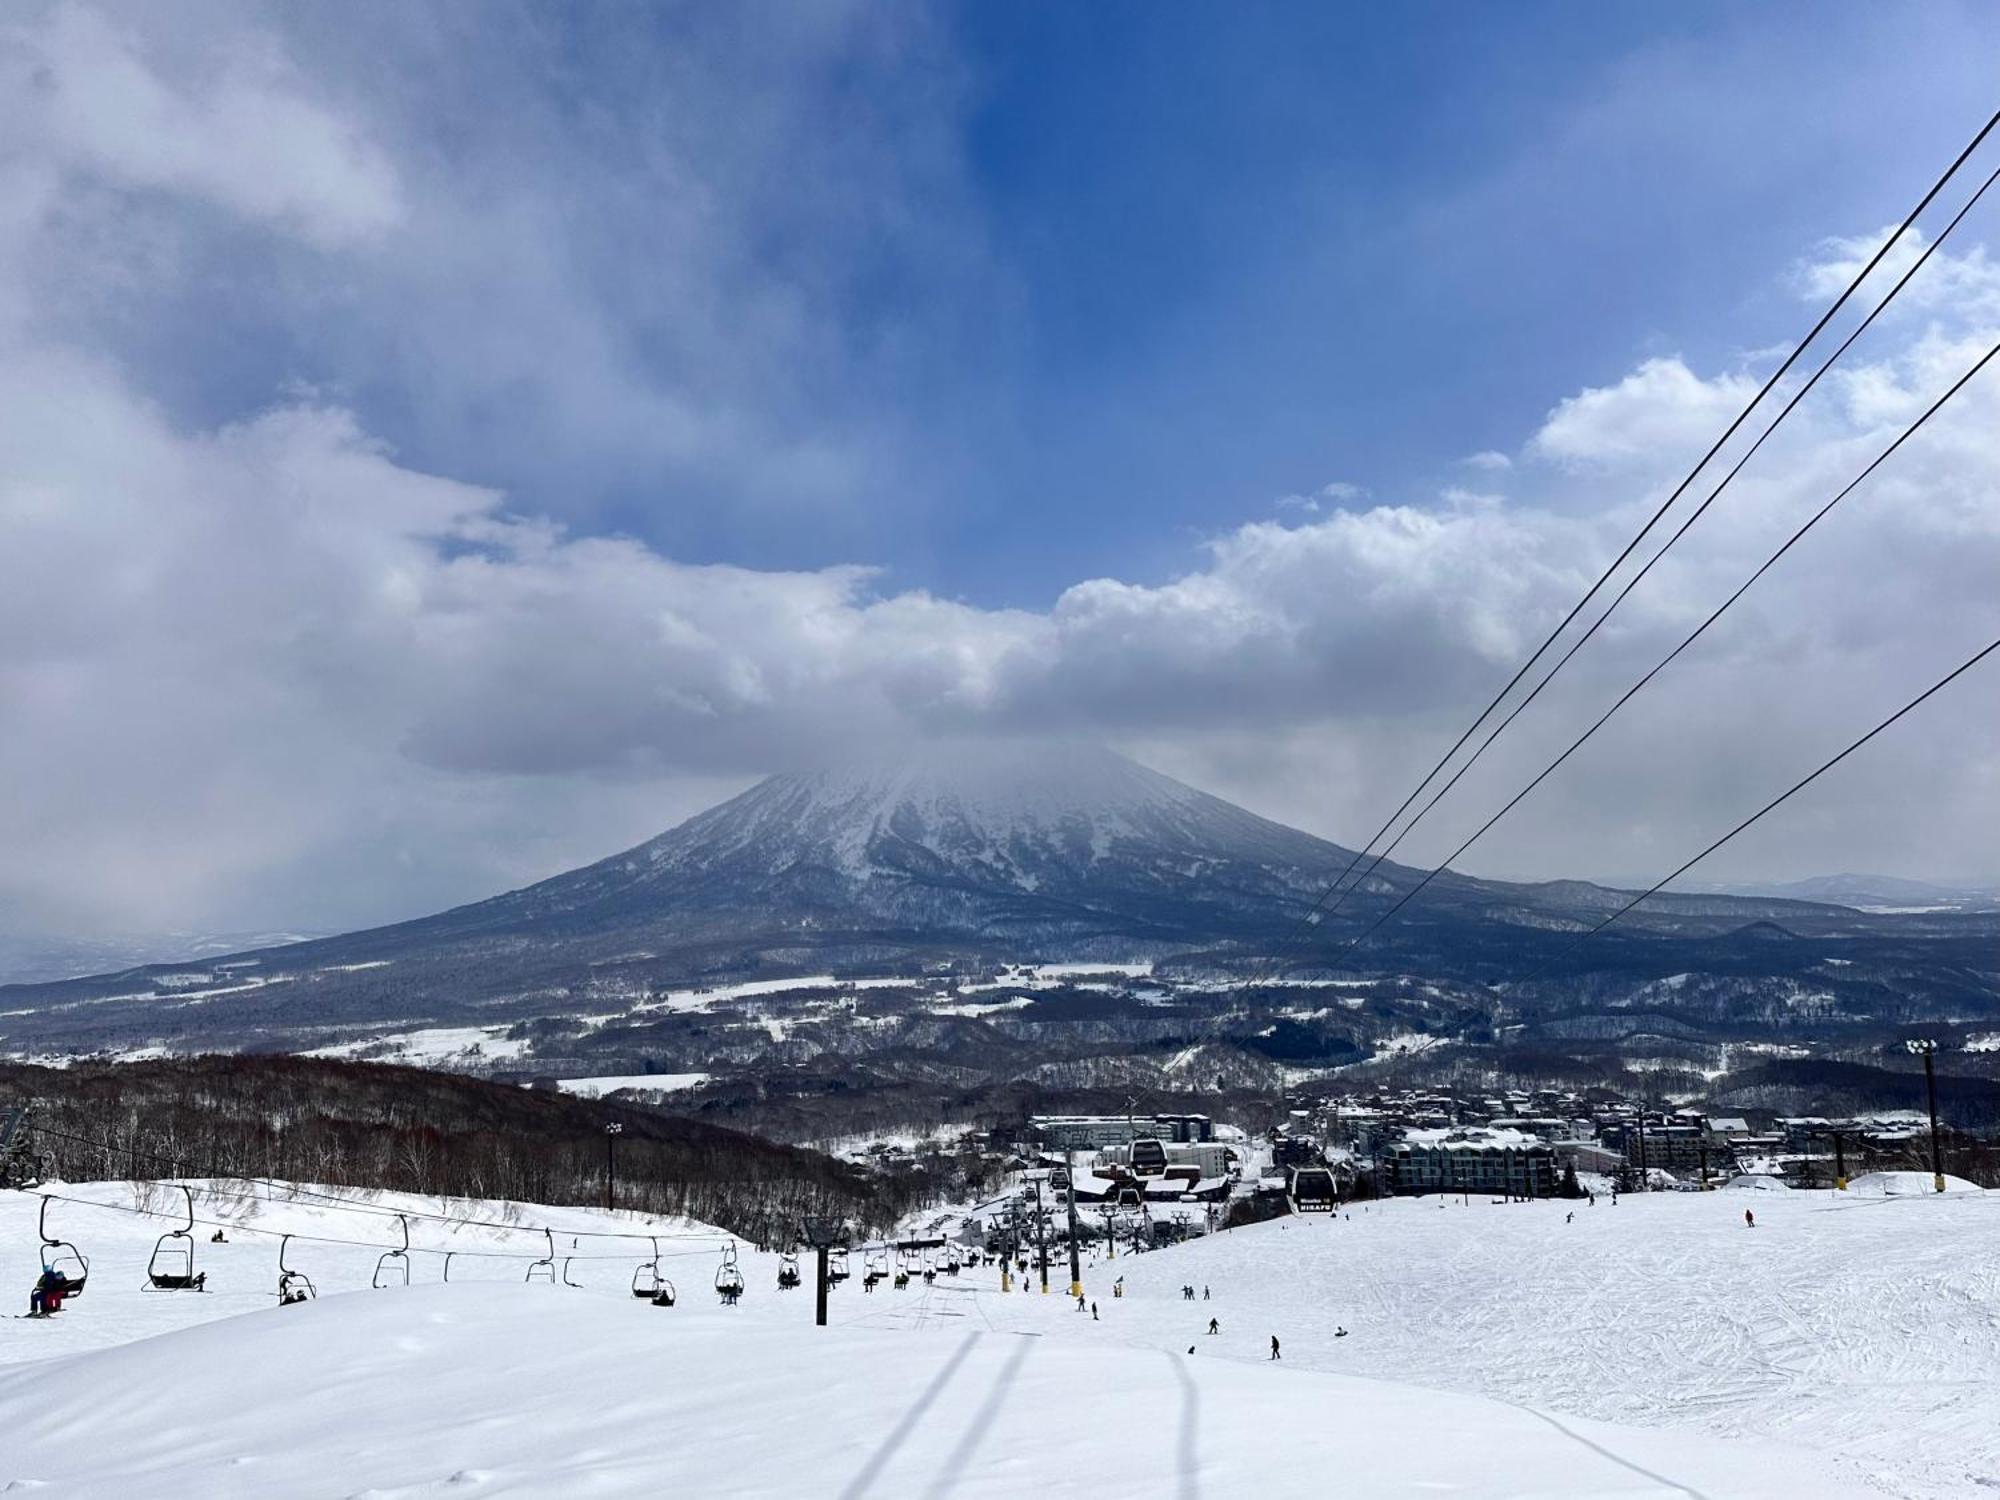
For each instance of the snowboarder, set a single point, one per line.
(1274, 1347)
(217, 1239)
(1093, 1312)
(1570, 1217)
(1339, 1332)
(1213, 1326)
(1749, 1219)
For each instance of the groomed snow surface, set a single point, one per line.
(1844, 1347)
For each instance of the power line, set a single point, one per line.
(1698, 512)
(1686, 642)
(1313, 913)
(1775, 802)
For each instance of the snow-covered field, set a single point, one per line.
(1844, 1347)
(660, 1083)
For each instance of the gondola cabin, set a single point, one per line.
(1312, 1191)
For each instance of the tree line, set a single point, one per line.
(402, 1129)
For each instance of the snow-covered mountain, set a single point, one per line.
(1071, 840)
(965, 855)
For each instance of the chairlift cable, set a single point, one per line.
(1314, 913)
(1687, 641)
(1777, 801)
(326, 1239)
(1694, 516)
(338, 1201)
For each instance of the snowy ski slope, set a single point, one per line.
(1842, 1348)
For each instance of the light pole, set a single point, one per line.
(1926, 1048)
(611, 1134)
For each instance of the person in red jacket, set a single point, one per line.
(47, 1297)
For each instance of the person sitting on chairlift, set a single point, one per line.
(46, 1299)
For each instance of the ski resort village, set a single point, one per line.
(999, 750)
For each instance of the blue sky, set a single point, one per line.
(1127, 272)
(473, 436)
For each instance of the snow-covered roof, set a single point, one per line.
(1472, 1138)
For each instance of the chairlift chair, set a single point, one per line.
(788, 1271)
(565, 1275)
(60, 1257)
(646, 1278)
(729, 1277)
(545, 1268)
(293, 1285)
(171, 1265)
(666, 1296)
(393, 1269)
(836, 1264)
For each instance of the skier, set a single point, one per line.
(1274, 1347)
(1079, 1302)
(1204, 1293)
(1749, 1219)
(46, 1299)
(1093, 1312)
(1570, 1217)
(1213, 1326)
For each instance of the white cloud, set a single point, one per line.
(77, 94)
(1489, 459)
(267, 670)
(1662, 414)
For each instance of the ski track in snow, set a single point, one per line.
(1864, 1332)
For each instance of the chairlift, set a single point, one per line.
(545, 1268)
(447, 1265)
(788, 1271)
(666, 1296)
(836, 1264)
(293, 1286)
(393, 1269)
(60, 1257)
(646, 1278)
(729, 1277)
(171, 1266)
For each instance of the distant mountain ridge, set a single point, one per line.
(1869, 892)
(966, 854)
